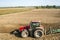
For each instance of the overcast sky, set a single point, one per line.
(7, 3)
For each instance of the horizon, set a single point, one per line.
(26, 6)
(16, 3)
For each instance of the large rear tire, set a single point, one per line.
(38, 33)
(24, 33)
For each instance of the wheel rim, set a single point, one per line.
(24, 34)
(38, 33)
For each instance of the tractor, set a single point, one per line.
(34, 29)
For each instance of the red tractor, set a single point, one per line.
(34, 29)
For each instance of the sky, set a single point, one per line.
(9, 3)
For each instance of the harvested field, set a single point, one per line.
(9, 22)
(47, 16)
(7, 36)
(13, 10)
(43, 15)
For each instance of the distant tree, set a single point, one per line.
(48, 6)
(36, 7)
(42, 6)
(54, 6)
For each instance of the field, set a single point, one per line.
(11, 19)
(12, 10)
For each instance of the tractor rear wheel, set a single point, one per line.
(38, 33)
(24, 33)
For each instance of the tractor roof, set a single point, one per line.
(35, 21)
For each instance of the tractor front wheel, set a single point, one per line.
(24, 33)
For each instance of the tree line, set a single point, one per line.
(54, 6)
(37, 7)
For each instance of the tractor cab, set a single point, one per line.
(34, 25)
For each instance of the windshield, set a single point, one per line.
(35, 24)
